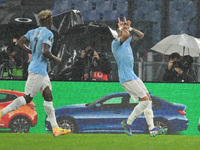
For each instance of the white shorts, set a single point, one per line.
(135, 88)
(36, 83)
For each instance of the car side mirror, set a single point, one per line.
(98, 105)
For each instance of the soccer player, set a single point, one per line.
(41, 41)
(123, 54)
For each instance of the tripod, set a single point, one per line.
(5, 67)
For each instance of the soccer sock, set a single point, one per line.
(48, 107)
(148, 113)
(16, 104)
(138, 110)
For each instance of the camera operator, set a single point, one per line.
(6, 63)
(179, 70)
(11, 57)
(91, 66)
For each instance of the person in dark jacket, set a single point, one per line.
(179, 69)
(91, 66)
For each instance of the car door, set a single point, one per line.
(120, 109)
(108, 115)
(104, 116)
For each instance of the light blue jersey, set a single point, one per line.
(124, 57)
(37, 37)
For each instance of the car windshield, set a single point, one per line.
(112, 99)
(95, 102)
(6, 97)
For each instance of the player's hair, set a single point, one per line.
(44, 15)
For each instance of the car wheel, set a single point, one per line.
(68, 123)
(20, 124)
(162, 124)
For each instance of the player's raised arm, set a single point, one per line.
(122, 31)
(138, 35)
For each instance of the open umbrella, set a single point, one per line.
(183, 44)
(99, 36)
(18, 23)
(66, 20)
(21, 17)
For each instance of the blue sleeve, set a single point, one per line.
(48, 38)
(27, 35)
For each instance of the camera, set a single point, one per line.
(89, 53)
(177, 64)
(185, 63)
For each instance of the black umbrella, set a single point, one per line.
(21, 17)
(19, 22)
(66, 20)
(99, 36)
(14, 25)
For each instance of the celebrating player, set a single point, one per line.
(123, 54)
(41, 41)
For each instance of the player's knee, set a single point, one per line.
(47, 94)
(48, 97)
(146, 98)
(149, 96)
(28, 98)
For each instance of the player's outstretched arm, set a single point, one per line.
(138, 34)
(46, 53)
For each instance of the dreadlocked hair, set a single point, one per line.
(43, 15)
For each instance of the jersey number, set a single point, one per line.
(36, 40)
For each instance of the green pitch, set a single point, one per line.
(31, 141)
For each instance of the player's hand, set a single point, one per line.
(129, 23)
(120, 23)
(96, 55)
(126, 23)
(170, 64)
(83, 54)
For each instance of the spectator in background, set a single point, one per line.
(92, 66)
(13, 57)
(21, 59)
(179, 69)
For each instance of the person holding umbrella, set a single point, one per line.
(123, 54)
(179, 69)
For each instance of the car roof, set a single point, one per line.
(117, 94)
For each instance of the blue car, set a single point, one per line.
(105, 115)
